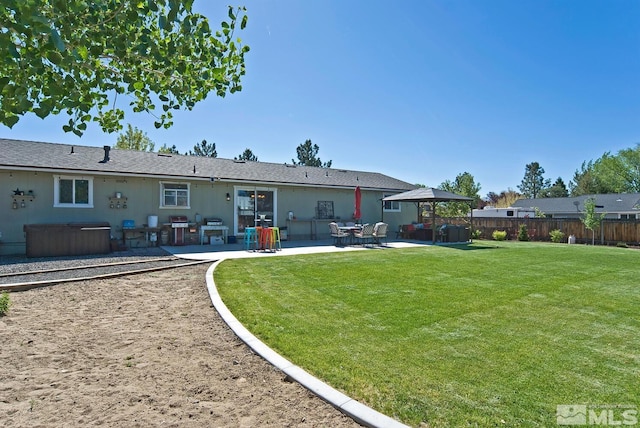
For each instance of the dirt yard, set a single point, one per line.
(140, 351)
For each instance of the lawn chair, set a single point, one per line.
(365, 234)
(379, 232)
(337, 234)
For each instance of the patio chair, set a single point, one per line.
(379, 232)
(365, 234)
(336, 233)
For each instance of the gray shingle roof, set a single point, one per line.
(605, 203)
(18, 154)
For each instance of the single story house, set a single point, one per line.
(147, 198)
(624, 206)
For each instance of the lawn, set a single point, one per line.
(478, 335)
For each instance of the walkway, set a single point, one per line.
(356, 410)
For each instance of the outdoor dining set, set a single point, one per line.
(358, 234)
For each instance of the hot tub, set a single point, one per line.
(70, 239)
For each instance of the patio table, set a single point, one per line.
(350, 230)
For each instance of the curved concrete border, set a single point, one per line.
(356, 410)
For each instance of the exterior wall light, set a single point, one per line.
(228, 197)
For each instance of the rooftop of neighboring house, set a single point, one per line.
(605, 203)
(67, 158)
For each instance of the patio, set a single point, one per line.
(289, 248)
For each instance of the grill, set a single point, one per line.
(213, 222)
(178, 223)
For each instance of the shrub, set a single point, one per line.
(523, 234)
(557, 235)
(4, 303)
(476, 233)
(622, 245)
(499, 235)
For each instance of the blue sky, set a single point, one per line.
(419, 90)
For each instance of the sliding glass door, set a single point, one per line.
(250, 204)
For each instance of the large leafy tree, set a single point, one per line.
(308, 155)
(134, 139)
(464, 185)
(619, 173)
(533, 183)
(247, 155)
(204, 149)
(84, 58)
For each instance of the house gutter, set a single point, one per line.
(186, 177)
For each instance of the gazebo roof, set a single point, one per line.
(427, 194)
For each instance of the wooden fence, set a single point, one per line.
(610, 232)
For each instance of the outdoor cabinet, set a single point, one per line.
(71, 239)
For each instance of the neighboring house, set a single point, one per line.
(625, 206)
(48, 183)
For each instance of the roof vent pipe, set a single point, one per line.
(106, 154)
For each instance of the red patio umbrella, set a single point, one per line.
(357, 214)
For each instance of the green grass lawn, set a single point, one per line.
(488, 334)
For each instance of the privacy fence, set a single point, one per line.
(610, 232)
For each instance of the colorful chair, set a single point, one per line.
(275, 238)
(250, 238)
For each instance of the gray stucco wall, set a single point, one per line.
(208, 199)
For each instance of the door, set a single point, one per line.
(252, 203)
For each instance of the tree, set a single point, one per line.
(590, 219)
(622, 171)
(204, 149)
(72, 56)
(307, 155)
(166, 149)
(557, 190)
(134, 139)
(464, 185)
(586, 181)
(247, 155)
(504, 199)
(619, 173)
(533, 183)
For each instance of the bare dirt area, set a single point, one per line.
(141, 350)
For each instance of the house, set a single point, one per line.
(624, 206)
(128, 192)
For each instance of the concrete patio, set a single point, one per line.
(236, 251)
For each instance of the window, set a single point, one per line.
(391, 206)
(509, 213)
(627, 216)
(174, 195)
(72, 192)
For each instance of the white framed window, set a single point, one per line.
(627, 216)
(72, 191)
(175, 195)
(391, 206)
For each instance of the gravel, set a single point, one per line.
(19, 264)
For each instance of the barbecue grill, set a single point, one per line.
(178, 223)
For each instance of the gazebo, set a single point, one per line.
(432, 196)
